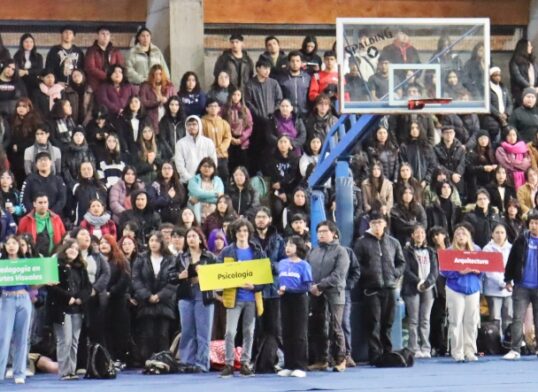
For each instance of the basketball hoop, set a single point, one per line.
(417, 104)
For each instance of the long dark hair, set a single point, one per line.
(413, 207)
(306, 40)
(183, 83)
(242, 113)
(111, 70)
(28, 124)
(19, 55)
(127, 112)
(180, 114)
(521, 54)
(66, 244)
(3, 254)
(301, 248)
(201, 235)
(376, 183)
(163, 250)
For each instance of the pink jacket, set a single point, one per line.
(150, 103)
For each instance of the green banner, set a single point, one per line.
(29, 271)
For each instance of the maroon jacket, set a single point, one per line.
(114, 100)
(97, 62)
(148, 98)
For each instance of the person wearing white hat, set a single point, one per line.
(500, 105)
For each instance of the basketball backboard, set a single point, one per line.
(386, 62)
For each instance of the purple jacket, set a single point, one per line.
(114, 100)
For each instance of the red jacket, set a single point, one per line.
(27, 224)
(107, 228)
(320, 81)
(94, 63)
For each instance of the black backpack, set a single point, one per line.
(401, 358)
(161, 363)
(267, 358)
(99, 363)
(489, 338)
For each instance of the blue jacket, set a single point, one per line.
(275, 250)
(196, 190)
(464, 284)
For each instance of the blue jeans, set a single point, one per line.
(67, 336)
(15, 317)
(196, 326)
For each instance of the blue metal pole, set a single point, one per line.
(344, 202)
(317, 213)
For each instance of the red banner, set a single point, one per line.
(458, 260)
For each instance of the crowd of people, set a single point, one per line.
(133, 184)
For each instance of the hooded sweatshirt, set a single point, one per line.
(191, 150)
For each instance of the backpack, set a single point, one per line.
(161, 363)
(489, 338)
(401, 358)
(260, 185)
(267, 357)
(99, 363)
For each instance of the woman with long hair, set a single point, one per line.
(80, 94)
(513, 154)
(87, 187)
(148, 158)
(191, 94)
(418, 153)
(224, 211)
(443, 211)
(16, 308)
(382, 149)
(299, 204)
(239, 117)
(120, 193)
(463, 301)
(523, 69)
(117, 318)
(62, 124)
(500, 190)
(29, 62)
(418, 290)
(221, 88)
(286, 122)
(473, 71)
(196, 307)
(167, 194)
(406, 178)
(513, 220)
(77, 151)
(130, 124)
(310, 57)
(12, 87)
(47, 93)
(204, 189)
(526, 194)
(155, 296)
(66, 303)
(10, 199)
(154, 94)
(244, 198)
(114, 94)
(187, 219)
(405, 215)
(97, 220)
(480, 165)
(377, 191)
(112, 162)
(171, 126)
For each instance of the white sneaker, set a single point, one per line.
(284, 373)
(458, 358)
(471, 358)
(9, 373)
(298, 373)
(419, 354)
(19, 380)
(426, 354)
(512, 355)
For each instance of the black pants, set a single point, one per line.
(222, 170)
(153, 335)
(380, 306)
(96, 313)
(237, 157)
(118, 328)
(268, 325)
(294, 308)
(257, 145)
(325, 331)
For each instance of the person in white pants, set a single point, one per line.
(463, 301)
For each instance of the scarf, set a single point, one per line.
(519, 149)
(54, 92)
(97, 221)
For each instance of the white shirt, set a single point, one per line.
(156, 264)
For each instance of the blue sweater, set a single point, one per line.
(464, 284)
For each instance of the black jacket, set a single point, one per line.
(74, 282)
(519, 77)
(482, 224)
(53, 186)
(388, 157)
(421, 158)
(167, 207)
(354, 271)
(119, 284)
(244, 201)
(71, 161)
(496, 200)
(83, 192)
(284, 170)
(436, 216)
(453, 158)
(170, 131)
(184, 286)
(382, 261)
(411, 279)
(525, 120)
(59, 58)
(402, 221)
(146, 219)
(146, 284)
(240, 70)
(517, 259)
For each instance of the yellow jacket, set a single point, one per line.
(219, 131)
(229, 295)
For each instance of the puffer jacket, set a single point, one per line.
(411, 274)
(71, 161)
(146, 219)
(139, 63)
(97, 63)
(421, 158)
(493, 284)
(170, 132)
(146, 284)
(83, 192)
(184, 286)
(483, 224)
(330, 265)
(239, 69)
(244, 201)
(403, 220)
(382, 261)
(388, 158)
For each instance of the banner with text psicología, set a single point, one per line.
(230, 275)
(30, 272)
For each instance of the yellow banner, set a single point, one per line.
(230, 275)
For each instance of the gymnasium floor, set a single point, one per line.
(489, 374)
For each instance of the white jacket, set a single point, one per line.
(494, 281)
(190, 151)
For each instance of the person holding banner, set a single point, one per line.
(15, 317)
(463, 301)
(66, 302)
(245, 300)
(195, 307)
(521, 278)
